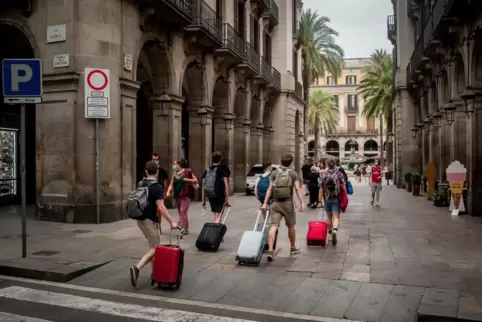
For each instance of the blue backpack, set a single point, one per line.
(263, 186)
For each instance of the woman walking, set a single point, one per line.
(183, 182)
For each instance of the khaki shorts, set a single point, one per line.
(376, 186)
(150, 230)
(283, 209)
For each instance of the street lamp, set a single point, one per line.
(428, 122)
(469, 98)
(414, 132)
(437, 117)
(246, 126)
(203, 116)
(301, 134)
(228, 122)
(271, 133)
(449, 109)
(260, 128)
(391, 137)
(165, 102)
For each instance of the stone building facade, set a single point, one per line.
(230, 70)
(356, 135)
(437, 108)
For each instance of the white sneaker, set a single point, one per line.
(377, 205)
(334, 238)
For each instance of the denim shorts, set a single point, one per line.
(332, 205)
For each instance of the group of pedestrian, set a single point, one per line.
(181, 186)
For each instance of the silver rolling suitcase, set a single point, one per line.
(252, 243)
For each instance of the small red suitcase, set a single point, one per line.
(317, 233)
(168, 264)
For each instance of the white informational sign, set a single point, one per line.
(128, 62)
(62, 60)
(57, 33)
(97, 93)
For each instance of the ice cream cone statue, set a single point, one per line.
(456, 176)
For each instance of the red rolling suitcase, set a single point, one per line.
(317, 233)
(168, 264)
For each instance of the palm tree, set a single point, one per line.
(319, 51)
(376, 88)
(323, 115)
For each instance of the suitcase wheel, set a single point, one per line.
(236, 258)
(152, 282)
(177, 286)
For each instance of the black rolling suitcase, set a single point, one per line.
(212, 234)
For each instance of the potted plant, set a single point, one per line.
(408, 181)
(416, 183)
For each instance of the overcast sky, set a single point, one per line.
(362, 24)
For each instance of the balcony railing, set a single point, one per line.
(299, 89)
(276, 78)
(252, 57)
(210, 21)
(185, 6)
(391, 28)
(274, 11)
(265, 69)
(233, 41)
(266, 3)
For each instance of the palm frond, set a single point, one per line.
(323, 114)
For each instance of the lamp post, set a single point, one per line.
(246, 126)
(437, 117)
(414, 131)
(203, 120)
(449, 109)
(228, 126)
(428, 122)
(165, 102)
(391, 137)
(469, 99)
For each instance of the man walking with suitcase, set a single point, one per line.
(216, 186)
(148, 223)
(283, 182)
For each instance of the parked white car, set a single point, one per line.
(253, 174)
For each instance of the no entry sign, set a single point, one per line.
(97, 93)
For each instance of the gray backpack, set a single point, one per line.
(283, 184)
(138, 200)
(210, 182)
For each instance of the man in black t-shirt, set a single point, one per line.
(221, 187)
(162, 176)
(149, 224)
(305, 172)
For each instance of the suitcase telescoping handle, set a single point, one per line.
(225, 212)
(178, 231)
(265, 220)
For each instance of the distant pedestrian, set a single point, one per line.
(149, 222)
(216, 186)
(182, 184)
(162, 177)
(376, 183)
(313, 184)
(284, 182)
(305, 172)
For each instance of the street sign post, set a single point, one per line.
(97, 106)
(22, 84)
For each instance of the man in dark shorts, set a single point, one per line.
(162, 178)
(305, 173)
(216, 186)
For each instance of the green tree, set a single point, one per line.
(319, 51)
(376, 89)
(323, 115)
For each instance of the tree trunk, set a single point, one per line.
(317, 143)
(306, 96)
(381, 141)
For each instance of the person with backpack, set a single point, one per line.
(313, 186)
(216, 186)
(182, 184)
(283, 181)
(146, 205)
(262, 183)
(331, 182)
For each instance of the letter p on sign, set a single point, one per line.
(21, 73)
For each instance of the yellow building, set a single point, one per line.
(355, 135)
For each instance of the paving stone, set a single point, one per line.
(369, 303)
(382, 264)
(437, 310)
(469, 308)
(305, 297)
(360, 273)
(403, 304)
(328, 270)
(415, 277)
(438, 296)
(337, 299)
(384, 276)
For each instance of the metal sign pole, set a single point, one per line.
(23, 182)
(97, 171)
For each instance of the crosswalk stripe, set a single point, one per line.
(107, 307)
(7, 317)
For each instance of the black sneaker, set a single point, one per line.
(334, 238)
(134, 272)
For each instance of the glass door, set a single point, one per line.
(8, 166)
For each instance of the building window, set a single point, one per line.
(371, 125)
(335, 100)
(351, 122)
(255, 33)
(295, 24)
(219, 8)
(295, 64)
(352, 102)
(239, 18)
(351, 80)
(267, 48)
(330, 80)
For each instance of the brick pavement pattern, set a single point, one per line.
(391, 263)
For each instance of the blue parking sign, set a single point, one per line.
(22, 80)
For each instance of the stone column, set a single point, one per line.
(254, 146)
(266, 144)
(229, 148)
(341, 152)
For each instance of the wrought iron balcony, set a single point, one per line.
(392, 29)
(177, 13)
(252, 57)
(233, 42)
(184, 6)
(207, 25)
(276, 78)
(299, 89)
(265, 69)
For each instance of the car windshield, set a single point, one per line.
(256, 170)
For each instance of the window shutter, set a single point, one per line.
(346, 80)
(354, 78)
(355, 97)
(251, 29)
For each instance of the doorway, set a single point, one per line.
(143, 133)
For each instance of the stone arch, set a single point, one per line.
(370, 148)
(311, 148)
(351, 144)
(194, 79)
(458, 76)
(240, 148)
(19, 43)
(332, 148)
(476, 59)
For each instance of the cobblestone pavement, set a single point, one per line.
(390, 262)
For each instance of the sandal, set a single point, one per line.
(270, 256)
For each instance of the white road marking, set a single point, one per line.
(106, 307)
(310, 318)
(7, 317)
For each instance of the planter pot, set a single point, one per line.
(409, 187)
(416, 190)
